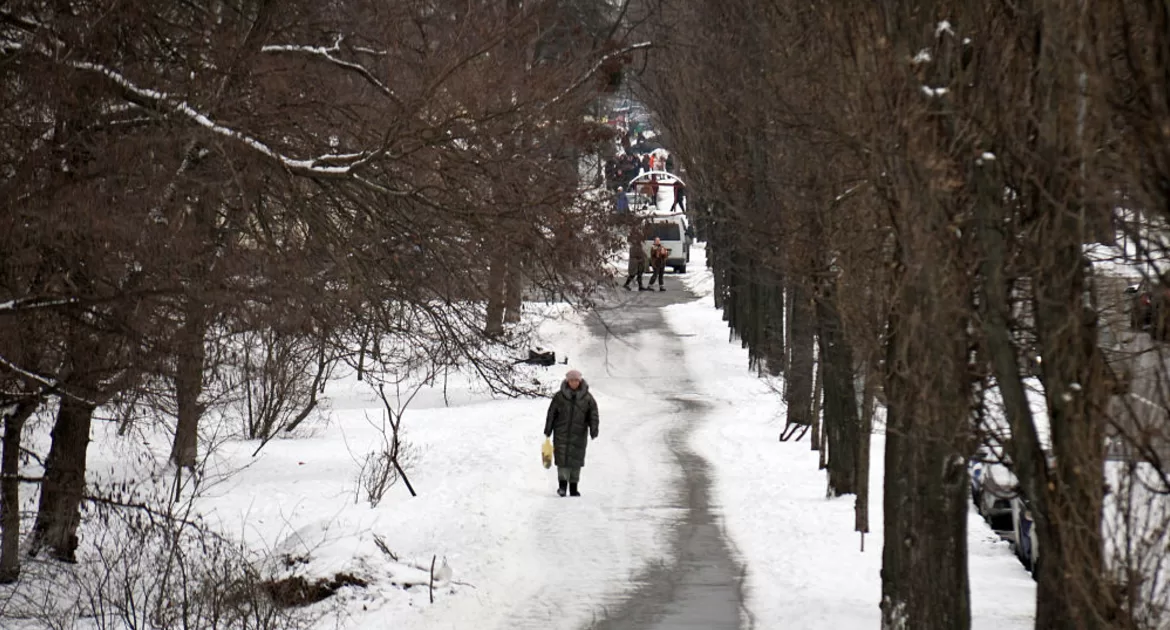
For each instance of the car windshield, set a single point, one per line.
(665, 231)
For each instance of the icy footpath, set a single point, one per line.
(805, 569)
(519, 556)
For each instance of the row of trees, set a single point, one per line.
(220, 200)
(899, 197)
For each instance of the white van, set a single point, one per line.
(672, 230)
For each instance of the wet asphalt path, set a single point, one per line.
(699, 585)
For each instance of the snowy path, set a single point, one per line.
(697, 585)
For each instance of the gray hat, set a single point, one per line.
(573, 375)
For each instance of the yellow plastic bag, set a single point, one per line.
(546, 453)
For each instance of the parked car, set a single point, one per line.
(999, 487)
(992, 488)
(1026, 547)
(976, 470)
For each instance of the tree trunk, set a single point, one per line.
(822, 446)
(1072, 585)
(924, 554)
(798, 394)
(59, 511)
(497, 272)
(865, 432)
(10, 490)
(513, 292)
(841, 422)
(818, 386)
(788, 302)
(774, 352)
(189, 387)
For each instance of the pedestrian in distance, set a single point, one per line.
(571, 422)
(658, 255)
(637, 265)
(680, 197)
(623, 201)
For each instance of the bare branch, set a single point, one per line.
(318, 168)
(593, 70)
(327, 55)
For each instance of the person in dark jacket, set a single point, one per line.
(571, 422)
(637, 265)
(658, 255)
(680, 197)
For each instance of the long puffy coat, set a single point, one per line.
(572, 420)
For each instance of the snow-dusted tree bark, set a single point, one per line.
(799, 375)
(63, 487)
(514, 292)
(841, 423)
(189, 370)
(14, 416)
(496, 293)
(924, 555)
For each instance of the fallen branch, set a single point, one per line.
(432, 584)
(384, 548)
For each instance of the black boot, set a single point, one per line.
(573, 490)
(561, 484)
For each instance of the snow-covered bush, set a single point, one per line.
(149, 570)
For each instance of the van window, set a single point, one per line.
(665, 231)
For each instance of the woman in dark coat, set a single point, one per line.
(571, 422)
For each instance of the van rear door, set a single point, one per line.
(671, 233)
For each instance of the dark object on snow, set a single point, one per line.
(540, 358)
(295, 591)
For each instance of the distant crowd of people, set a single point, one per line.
(650, 198)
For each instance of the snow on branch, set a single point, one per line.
(24, 23)
(51, 383)
(26, 304)
(328, 166)
(327, 54)
(596, 66)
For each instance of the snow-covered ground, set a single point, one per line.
(521, 557)
(528, 559)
